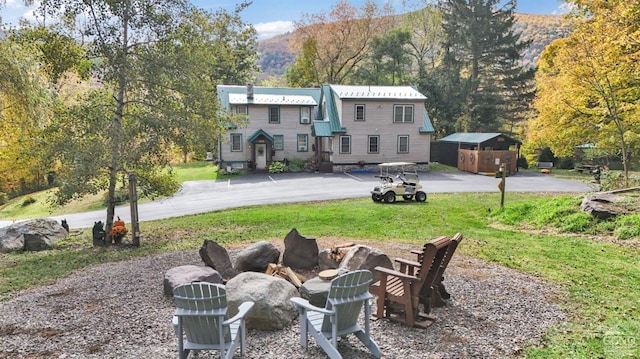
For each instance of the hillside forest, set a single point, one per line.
(101, 89)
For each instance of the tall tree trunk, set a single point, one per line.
(117, 127)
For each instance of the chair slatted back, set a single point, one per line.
(202, 307)
(347, 295)
(433, 254)
(450, 251)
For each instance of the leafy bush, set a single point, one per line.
(3, 198)
(298, 165)
(277, 167)
(28, 201)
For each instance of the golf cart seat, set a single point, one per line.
(409, 178)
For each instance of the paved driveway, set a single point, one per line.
(256, 189)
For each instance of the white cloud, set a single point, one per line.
(270, 29)
(564, 9)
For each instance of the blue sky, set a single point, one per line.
(272, 17)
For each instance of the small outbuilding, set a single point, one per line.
(479, 152)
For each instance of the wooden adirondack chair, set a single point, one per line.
(348, 294)
(434, 296)
(201, 315)
(400, 292)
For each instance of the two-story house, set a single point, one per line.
(337, 127)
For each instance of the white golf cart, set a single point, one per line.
(405, 183)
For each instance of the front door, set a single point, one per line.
(261, 155)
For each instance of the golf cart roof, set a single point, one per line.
(396, 164)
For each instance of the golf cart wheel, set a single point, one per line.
(390, 197)
(376, 197)
(407, 197)
(421, 196)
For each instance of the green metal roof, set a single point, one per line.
(475, 137)
(322, 129)
(259, 133)
(332, 110)
(427, 126)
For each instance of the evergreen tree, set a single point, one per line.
(481, 46)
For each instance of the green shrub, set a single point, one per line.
(277, 167)
(3, 198)
(298, 165)
(28, 201)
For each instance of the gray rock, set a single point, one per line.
(272, 310)
(31, 235)
(315, 290)
(325, 261)
(217, 257)
(257, 257)
(189, 273)
(365, 257)
(602, 205)
(300, 252)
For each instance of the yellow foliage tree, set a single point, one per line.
(588, 83)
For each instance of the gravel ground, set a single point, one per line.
(118, 310)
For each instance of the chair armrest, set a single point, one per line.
(243, 310)
(408, 262)
(303, 303)
(390, 272)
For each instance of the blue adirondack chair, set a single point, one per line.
(201, 316)
(348, 294)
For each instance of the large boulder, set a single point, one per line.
(365, 257)
(217, 257)
(257, 257)
(189, 273)
(603, 205)
(272, 310)
(31, 235)
(300, 252)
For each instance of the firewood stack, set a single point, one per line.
(339, 251)
(285, 273)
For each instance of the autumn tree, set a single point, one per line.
(156, 65)
(25, 98)
(481, 45)
(589, 83)
(341, 40)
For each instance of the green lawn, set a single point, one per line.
(599, 280)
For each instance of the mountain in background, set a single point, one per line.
(276, 54)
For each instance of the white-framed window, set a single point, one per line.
(274, 114)
(402, 113)
(242, 109)
(403, 143)
(303, 143)
(345, 144)
(278, 142)
(374, 144)
(236, 142)
(305, 115)
(358, 113)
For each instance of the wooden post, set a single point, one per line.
(133, 202)
(502, 184)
